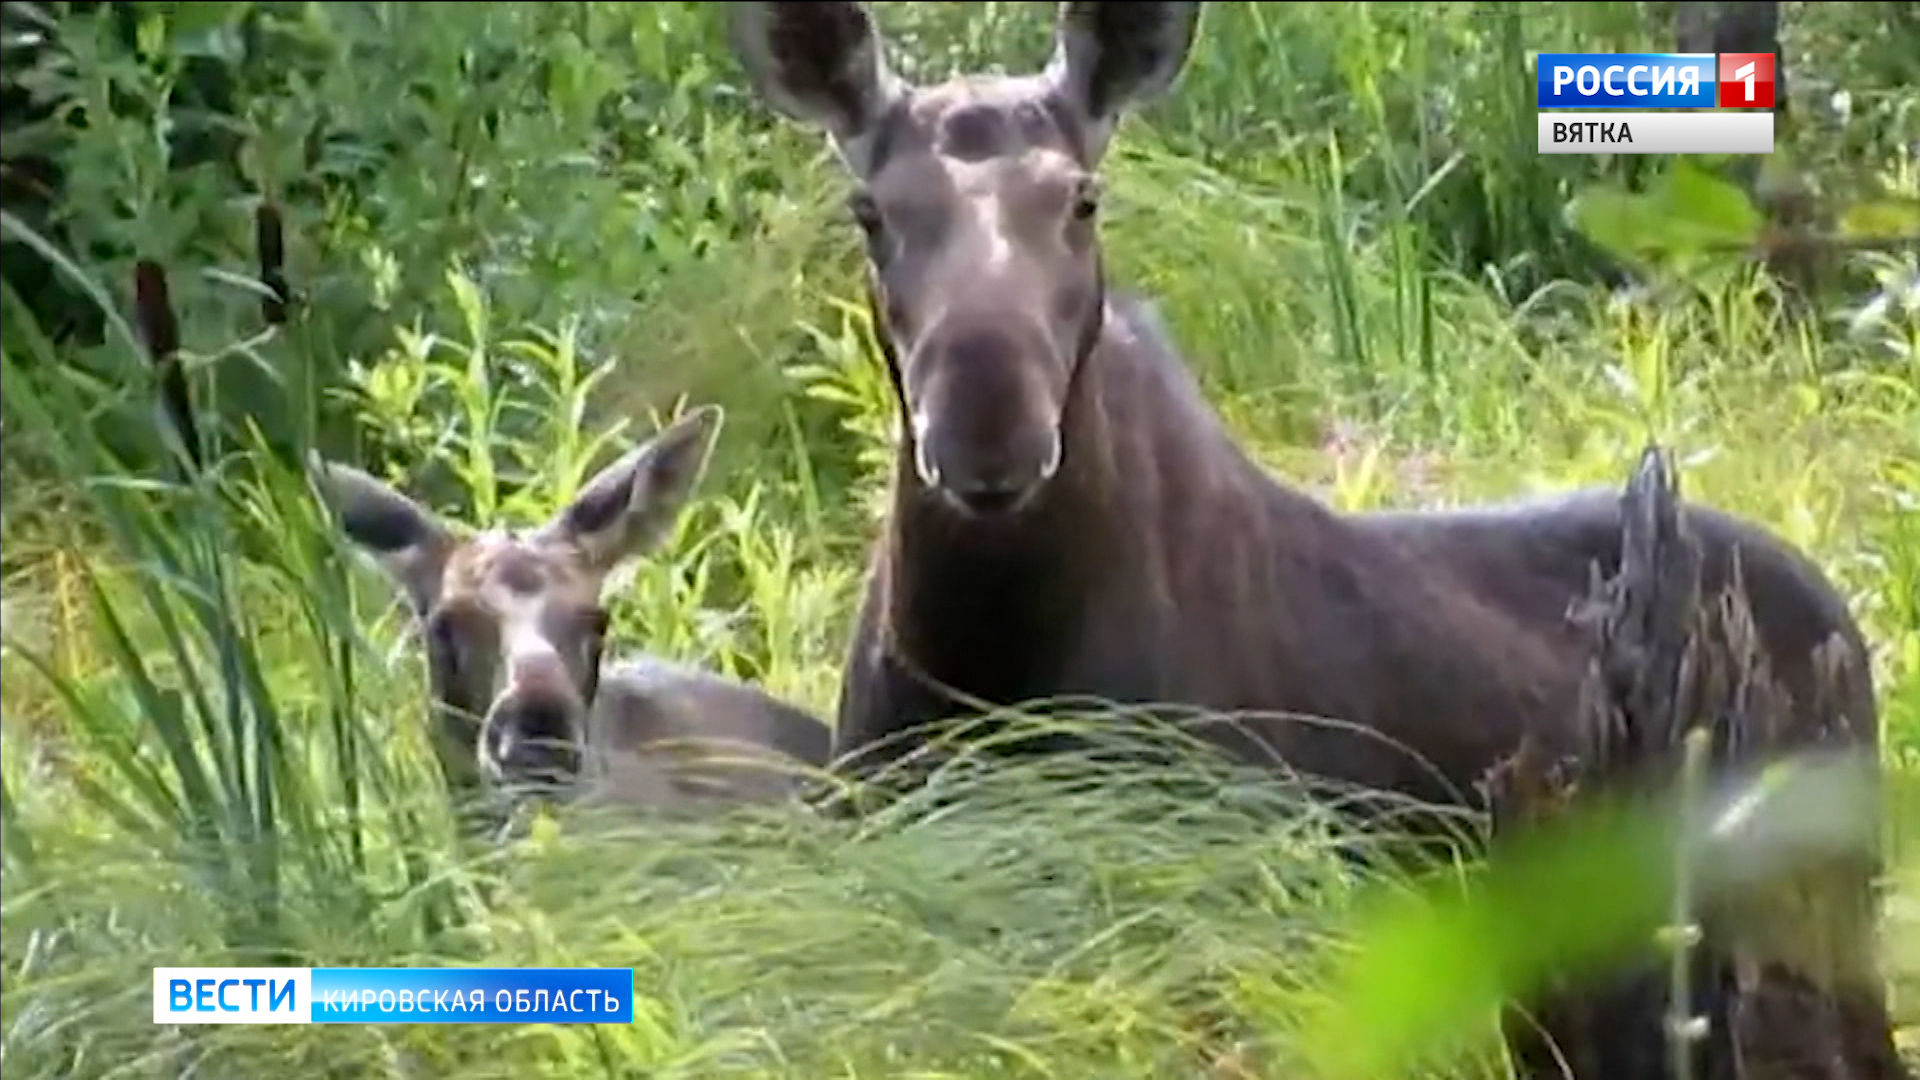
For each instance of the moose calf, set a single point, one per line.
(515, 631)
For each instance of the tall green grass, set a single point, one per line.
(214, 749)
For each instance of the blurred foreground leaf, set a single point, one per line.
(1685, 214)
(1563, 899)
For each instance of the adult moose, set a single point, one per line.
(515, 634)
(1069, 517)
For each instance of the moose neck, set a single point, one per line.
(990, 605)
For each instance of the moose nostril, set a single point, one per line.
(543, 719)
(534, 741)
(991, 498)
(540, 761)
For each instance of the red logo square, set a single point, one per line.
(1746, 80)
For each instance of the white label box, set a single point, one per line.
(1656, 132)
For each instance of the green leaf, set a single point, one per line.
(1684, 215)
(200, 16)
(473, 308)
(1617, 220)
(1882, 219)
(1709, 207)
(1590, 889)
(1432, 963)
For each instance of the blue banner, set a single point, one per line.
(393, 995)
(473, 995)
(1626, 80)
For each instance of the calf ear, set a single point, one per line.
(405, 538)
(631, 505)
(1110, 56)
(819, 63)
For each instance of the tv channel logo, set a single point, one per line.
(221, 995)
(1627, 81)
(1746, 81)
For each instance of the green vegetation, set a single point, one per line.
(515, 227)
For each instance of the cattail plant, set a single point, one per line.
(160, 331)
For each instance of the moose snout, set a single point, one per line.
(986, 484)
(532, 740)
(986, 427)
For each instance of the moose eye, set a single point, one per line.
(1086, 198)
(443, 639)
(594, 624)
(866, 213)
(440, 630)
(873, 226)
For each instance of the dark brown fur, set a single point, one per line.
(1160, 563)
(1168, 567)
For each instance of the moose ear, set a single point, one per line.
(631, 505)
(405, 538)
(819, 63)
(1109, 57)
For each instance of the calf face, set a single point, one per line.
(512, 618)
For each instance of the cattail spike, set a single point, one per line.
(153, 309)
(160, 328)
(269, 238)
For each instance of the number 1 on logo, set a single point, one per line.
(1746, 81)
